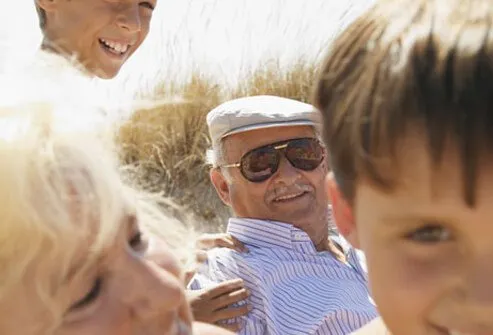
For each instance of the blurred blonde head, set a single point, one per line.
(59, 190)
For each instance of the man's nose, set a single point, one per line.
(129, 18)
(287, 172)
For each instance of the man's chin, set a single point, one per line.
(293, 216)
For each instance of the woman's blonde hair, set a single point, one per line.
(58, 177)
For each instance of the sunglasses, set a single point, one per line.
(262, 163)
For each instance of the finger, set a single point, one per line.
(225, 242)
(221, 240)
(231, 312)
(200, 256)
(224, 288)
(207, 241)
(201, 241)
(233, 327)
(230, 298)
(239, 246)
(188, 276)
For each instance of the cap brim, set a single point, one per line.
(272, 125)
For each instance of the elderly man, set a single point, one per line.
(102, 35)
(269, 167)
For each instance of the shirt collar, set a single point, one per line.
(270, 234)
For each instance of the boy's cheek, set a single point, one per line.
(404, 289)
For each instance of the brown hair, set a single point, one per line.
(420, 63)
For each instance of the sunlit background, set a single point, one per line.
(209, 51)
(223, 38)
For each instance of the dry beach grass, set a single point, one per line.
(167, 143)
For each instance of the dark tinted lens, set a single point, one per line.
(305, 154)
(260, 164)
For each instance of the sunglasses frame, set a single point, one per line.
(278, 146)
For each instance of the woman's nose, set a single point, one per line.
(151, 290)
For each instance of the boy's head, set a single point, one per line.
(407, 99)
(101, 34)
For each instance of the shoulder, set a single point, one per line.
(250, 263)
(223, 264)
(200, 328)
(219, 257)
(375, 327)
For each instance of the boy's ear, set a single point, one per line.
(342, 212)
(221, 185)
(47, 5)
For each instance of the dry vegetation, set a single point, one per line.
(167, 143)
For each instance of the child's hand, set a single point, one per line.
(213, 305)
(209, 241)
(221, 240)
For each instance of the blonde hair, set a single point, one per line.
(58, 176)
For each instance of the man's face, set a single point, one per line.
(430, 256)
(290, 195)
(103, 34)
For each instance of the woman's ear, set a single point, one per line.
(342, 212)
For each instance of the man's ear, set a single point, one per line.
(221, 185)
(342, 212)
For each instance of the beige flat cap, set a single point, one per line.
(258, 112)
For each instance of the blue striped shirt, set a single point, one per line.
(294, 288)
